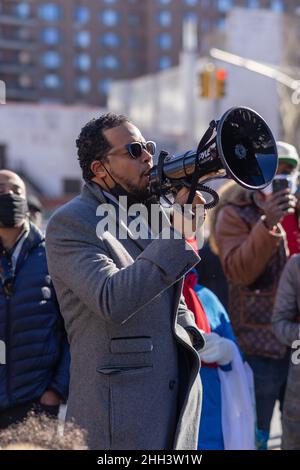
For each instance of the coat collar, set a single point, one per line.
(93, 191)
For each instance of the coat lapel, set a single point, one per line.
(117, 214)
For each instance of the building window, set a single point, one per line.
(47, 100)
(133, 20)
(83, 39)
(24, 58)
(50, 36)
(109, 17)
(253, 4)
(104, 86)
(132, 65)
(191, 16)
(50, 12)
(164, 2)
(82, 15)
(225, 5)
(165, 18)
(133, 41)
(52, 81)
(24, 34)
(110, 39)
(205, 25)
(83, 85)
(221, 24)
(191, 3)
(51, 59)
(109, 62)
(165, 41)
(3, 156)
(83, 62)
(165, 62)
(23, 10)
(25, 81)
(277, 5)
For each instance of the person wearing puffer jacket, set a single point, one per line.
(34, 352)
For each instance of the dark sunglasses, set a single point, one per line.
(136, 148)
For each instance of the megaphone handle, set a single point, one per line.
(213, 193)
(194, 184)
(207, 189)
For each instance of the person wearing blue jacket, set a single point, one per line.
(211, 434)
(34, 353)
(211, 317)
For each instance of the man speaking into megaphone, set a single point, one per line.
(134, 373)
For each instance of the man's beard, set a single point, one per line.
(140, 194)
(134, 194)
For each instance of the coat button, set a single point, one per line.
(172, 384)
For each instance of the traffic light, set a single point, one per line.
(205, 84)
(221, 77)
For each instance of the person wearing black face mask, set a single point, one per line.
(13, 210)
(34, 366)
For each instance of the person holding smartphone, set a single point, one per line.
(287, 177)
(247, 231)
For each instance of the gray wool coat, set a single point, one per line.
(286, 326)
(134, 370)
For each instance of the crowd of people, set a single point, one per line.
(151, 342)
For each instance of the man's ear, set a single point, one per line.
(98, 169)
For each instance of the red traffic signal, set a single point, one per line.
(221, 78)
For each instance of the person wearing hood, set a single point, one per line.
(34, 353)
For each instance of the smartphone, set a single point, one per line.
(279, 185)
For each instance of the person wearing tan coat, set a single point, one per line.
(286, 326)
(246, 233)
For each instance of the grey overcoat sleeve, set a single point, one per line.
(186, 319)
(87, 269)
(286, 310)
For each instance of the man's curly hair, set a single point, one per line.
(92, 144)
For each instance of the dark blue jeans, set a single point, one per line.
(270, 376)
